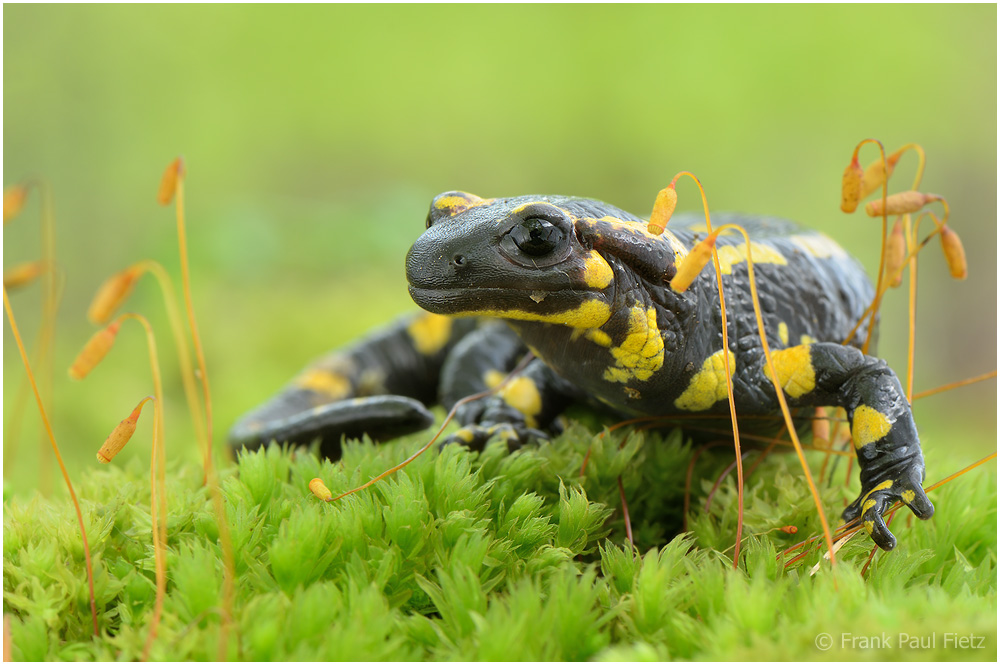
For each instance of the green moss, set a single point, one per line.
(490, 556)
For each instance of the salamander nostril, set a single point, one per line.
(459, 261)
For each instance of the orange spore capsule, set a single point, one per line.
(692, 264)
(954, 253)
(901, 203)
(790, 529)
(120, 435)
(876, 173)
(13, 200)
(321, 491)
(112, 293)
(22, 274)
(94, 351)
(895, 254)
(663, 209)
(168, 183)
(850, 186)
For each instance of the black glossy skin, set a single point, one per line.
(586, 288)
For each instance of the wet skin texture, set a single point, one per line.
(585, 287)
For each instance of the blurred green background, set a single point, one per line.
(315, 137)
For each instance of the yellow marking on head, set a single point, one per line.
(869, 426)
(522, 394)
(783, 332)
(588, 314)
(730, 255)
(599, 337)
(641, 352)
(331, 384)
(708, 386)
(907, 496)
(796, 374)
(430, 332)
(524, 206)
(493, 377)
(597, 274)
(869, 526)
(639, 228)
(868, 505)
(819, 245)
(806, 339)
(457, 204)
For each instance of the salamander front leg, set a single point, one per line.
(885, 436)
(522, 411)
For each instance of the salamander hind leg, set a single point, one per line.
(378, 387)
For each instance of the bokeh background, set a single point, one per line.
(315, 137)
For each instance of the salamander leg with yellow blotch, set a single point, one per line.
(586, 287)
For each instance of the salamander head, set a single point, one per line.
(552, 259)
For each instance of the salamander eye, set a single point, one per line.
(537, 237)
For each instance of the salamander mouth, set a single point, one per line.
(567, 306)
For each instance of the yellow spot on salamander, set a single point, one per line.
(907, 496)
(331, 384)
(529, 204)
(458, 204)
(597, 274)
(730, 255)
(783, 332)
(796, 374)
(708, 386)
(884, 485)
(464, 435)
(869, 504)
(591, 313)
(522, 394)
(642, 234)
(493, 377)
(641, 352)
(430, 332)
(599, 337)
(869, 426)
(806, 339)
(869, 526)
(819, 245)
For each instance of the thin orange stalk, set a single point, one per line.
(157, 481)
(12, 425)
(628, 522)
(228, 582)
(49, 305)
(911, 242)
(192, 322)
(780, 393)
(728, 369)
(58, 456)
(447, 419)
(956, 384)
(881, 263)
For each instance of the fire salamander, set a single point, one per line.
(585, 287)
